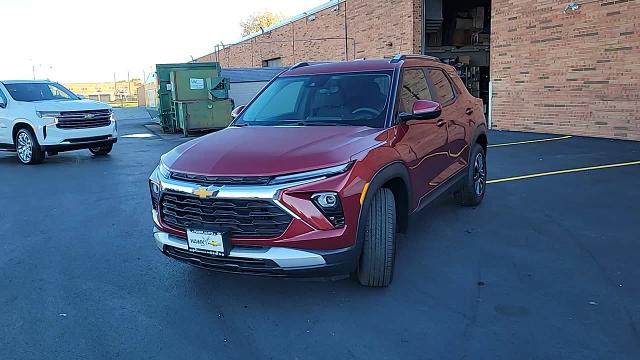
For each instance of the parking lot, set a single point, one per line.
(547, 266)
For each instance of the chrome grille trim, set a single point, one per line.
(240, 217)
(83, 119)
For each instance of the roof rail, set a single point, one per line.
(299, 65)
(402, 57)
(397, 58)
(309, 63)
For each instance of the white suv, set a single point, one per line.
(44, 117)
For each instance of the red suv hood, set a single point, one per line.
(255, 151)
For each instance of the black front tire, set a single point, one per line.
(473, 189)
(28, 148)
(101, 150)
(377, 261)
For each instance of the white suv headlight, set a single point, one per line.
(49, 117)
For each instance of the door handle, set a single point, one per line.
(469, 111)
(440, 123)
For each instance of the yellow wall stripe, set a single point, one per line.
(531, 141)
(549, 173)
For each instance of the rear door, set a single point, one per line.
(453, 113)
(422, 143)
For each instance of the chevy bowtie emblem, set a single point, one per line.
(203, 192)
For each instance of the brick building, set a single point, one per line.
(553, 67)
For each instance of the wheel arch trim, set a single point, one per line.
(395, 170)
(481, 130)
(20, 124)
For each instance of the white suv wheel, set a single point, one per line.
(24, 146)
(28, 148)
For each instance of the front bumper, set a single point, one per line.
(309, 229)
(81, 143)
(268, 261)
(50, 136)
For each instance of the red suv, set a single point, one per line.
(320, 171)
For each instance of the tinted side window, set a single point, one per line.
(442, 88)
(414, 87)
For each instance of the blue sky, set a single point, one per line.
(78, 40)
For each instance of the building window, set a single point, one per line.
(275, 62)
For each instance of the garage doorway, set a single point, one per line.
(458, 32)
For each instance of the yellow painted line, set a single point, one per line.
(364, 193)
(549, 173)
(531, 141)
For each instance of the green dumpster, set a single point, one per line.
(193, 97)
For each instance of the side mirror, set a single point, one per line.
(237, 111)
(423, 110)
(3, 102)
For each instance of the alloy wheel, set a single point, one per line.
(24, 147)
(479, 174)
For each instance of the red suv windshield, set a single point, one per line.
(355, 99)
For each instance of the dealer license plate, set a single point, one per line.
(203, 241)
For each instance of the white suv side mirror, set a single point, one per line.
(3, 102)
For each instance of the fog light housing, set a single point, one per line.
(154, 188)
(329, 204)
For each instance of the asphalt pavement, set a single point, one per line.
(546, 268)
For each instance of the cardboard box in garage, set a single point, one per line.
(461, 38)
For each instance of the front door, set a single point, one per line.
(421, 143)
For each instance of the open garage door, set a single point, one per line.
(458, 32)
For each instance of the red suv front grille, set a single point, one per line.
(246, 218)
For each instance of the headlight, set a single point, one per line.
(315, 174)
(50, 117)
(154, 188)
(44, 114)
(164, 170)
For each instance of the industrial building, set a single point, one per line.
(541, 65)
(107, 91)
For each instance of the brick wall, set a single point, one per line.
(575, 73)
(375, 28)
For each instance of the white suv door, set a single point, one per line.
(5, 122)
